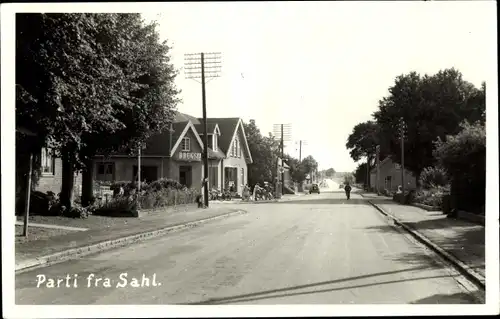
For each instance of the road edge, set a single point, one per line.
(466, 271)
(74, 253)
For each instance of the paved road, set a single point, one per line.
(318, 249)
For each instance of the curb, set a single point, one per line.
(73, 253)
(465, 270)
(427, 207)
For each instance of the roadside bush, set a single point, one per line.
(76, 212)
(122, 206)
(160, 193)
(431, 197)
(464, 158)
(43, 204)
(432, 177)
(166, 183)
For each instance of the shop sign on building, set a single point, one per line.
(189, 157)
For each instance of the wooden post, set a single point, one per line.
(28, 194)
(205, 136)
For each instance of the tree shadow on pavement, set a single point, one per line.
(289, 291)
(458, 298)
(465, 243)
(327, 201)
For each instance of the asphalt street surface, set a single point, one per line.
(316, 249)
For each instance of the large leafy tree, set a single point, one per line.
(330, 172)
(363, 140)
(91, 83)
(432, 106)
(362, 143)
(309, 164)
(264, 150)
(360, 173)
(297, 171)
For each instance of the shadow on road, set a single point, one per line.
(467, 244)
(327, 201)
(268, 294)
(458, 298)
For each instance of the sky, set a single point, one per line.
(321, 67)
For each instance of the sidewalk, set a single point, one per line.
(28, 251)
(461, 239)
(286, 197)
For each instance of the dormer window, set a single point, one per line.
(215, 142)
(186, 144)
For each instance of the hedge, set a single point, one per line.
(157, 194)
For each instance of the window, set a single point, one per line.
(239, 155)
(215, 142)
(105, 171)
(388, 182)
(186, 144)
(236, 147)
(47, 162)
(148, 173)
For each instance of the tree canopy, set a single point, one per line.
(264, 150)
(90, 83)
(432, 107)
(363, 140)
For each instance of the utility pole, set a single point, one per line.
(284, 131)
(367, 182)
(195, 68)
(139, 169)
(402, 129)
(377, 152)
(301, 142)
(28, 193)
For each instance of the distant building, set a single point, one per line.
(390, 176)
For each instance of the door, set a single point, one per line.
(185, 175)
(213, 177)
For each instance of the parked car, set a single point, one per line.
(314, 189)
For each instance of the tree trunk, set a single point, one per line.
(68, 180)
(87, 183)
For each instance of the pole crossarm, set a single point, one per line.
(210, 66)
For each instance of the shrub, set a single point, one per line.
(160, 193)
(432, 177)
(119, 206)
(166, 183)
(76, 212)
(464, 158)
(432, 197)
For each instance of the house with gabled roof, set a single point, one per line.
(390, 176)
(231, 141)
(176, 153)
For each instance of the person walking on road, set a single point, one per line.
(347, 189)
